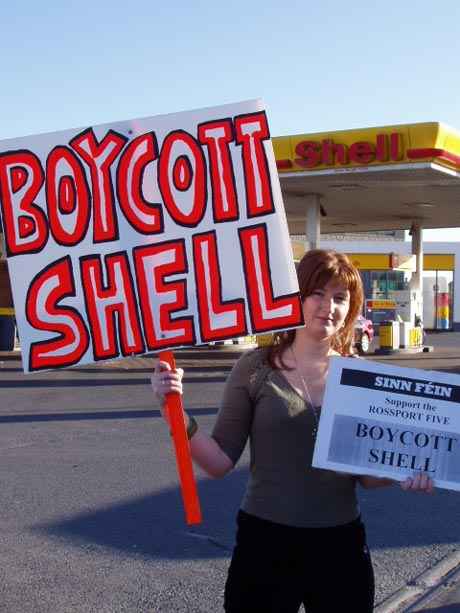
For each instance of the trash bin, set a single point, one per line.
(7, 329)
(405, 334)
(389, 335)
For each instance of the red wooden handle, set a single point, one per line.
(182, 448)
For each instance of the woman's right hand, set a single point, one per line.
(164, 381)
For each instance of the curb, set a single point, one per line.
(425, 582)
(404, 350)
(438, 595)
(218, 352)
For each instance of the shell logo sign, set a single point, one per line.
(310, 153)
(369, 147)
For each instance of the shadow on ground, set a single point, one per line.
(154, 526)
(395, 518)
(93, 415)
(51, 382)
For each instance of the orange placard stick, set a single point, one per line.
(182, 448)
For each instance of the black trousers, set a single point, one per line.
(277, 568)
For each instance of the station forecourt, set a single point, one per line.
(372, 183)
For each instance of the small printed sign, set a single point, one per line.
(389, 421)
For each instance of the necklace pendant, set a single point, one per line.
(314, 409)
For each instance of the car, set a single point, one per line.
(364, 333)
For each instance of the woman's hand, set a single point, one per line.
(165, 381)
(419, 482)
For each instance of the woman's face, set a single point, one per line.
(325, 310)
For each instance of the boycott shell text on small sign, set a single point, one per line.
(389, 421)
(146, 235)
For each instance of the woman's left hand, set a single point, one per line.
(419, 482)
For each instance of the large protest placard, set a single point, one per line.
(389, 421)
(144, 235)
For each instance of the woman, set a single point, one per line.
(300, 539)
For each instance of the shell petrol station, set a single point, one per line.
(403, 177)
(373, 181)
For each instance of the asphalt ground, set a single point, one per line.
(91, 514)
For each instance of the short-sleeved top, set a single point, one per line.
(260, 404)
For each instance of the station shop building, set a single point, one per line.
(371, 183)
(386, 268)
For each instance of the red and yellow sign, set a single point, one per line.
(369, 147)
(380, 305)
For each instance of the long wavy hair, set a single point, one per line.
(315, 270)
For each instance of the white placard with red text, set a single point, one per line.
(148, 234)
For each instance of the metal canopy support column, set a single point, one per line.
(313, 221)
(417, 278)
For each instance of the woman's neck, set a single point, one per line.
(305, 347)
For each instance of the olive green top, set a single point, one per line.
(283, 487)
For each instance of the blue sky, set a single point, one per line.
(318, 66)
